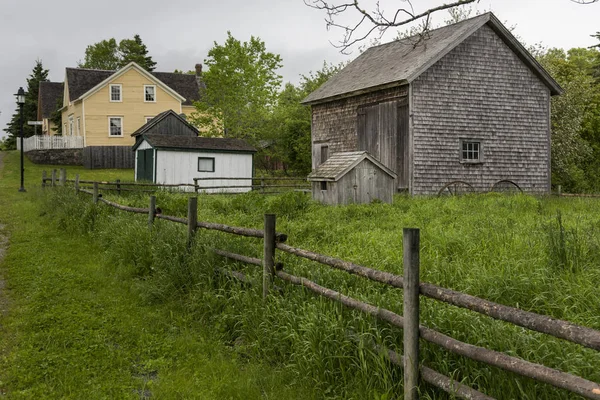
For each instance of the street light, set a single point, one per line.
(20, 101)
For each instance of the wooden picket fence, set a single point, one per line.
(409, 282)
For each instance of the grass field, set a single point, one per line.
(77, 329)
(539, 254)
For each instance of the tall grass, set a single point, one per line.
(516, 250)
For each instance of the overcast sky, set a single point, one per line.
(179, 33)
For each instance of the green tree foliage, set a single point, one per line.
(56, 117)
(575, 118)
(39, 74)
(292, 121)
(109, 55)
(241, 90)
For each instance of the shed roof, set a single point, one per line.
(402, 61)
(82, 80)
(339, 164)
(49, 95)
(157, 119)
(196, 143)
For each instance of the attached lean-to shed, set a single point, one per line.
(466, 102)
(352, 177)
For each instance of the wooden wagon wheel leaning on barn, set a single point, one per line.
(506, 186)
(456, 188)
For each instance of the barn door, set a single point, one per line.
(368, 129)
(378, 132)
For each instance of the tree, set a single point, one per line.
(107, 55)
(241, 90)
(39, 74)
(366, 22)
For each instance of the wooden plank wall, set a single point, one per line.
(172, 126)
(102, 157)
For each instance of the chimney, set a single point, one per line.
(201, 84)
(198, 69)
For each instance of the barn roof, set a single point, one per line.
(49, 95)
(196, 143)
(156, 120)
(339, 164)
(402, 61)
(82, 80)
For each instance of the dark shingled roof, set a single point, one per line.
(196, 143)
(49, 95)
(81, 80)
(339, 164)
(150, 124)
(402, 61)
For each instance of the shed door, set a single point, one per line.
(145, 165)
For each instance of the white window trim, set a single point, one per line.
(480, 160)
(78, 126)
(120, 86)
(148, 119)
(122, 128)
(150, 101)
(71, 125)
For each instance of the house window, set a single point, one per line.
(206, 164)
(324, 153)
(115, 92)
(115, 126)
(150, 93)
(471, 151)
(78, 126)
(323, 185)
(148, 119)
(70, 125)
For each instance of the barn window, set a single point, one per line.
(115, 126)
(115, 92)
(206, 164)
(471, 151)
(323, 185)
(324, 153)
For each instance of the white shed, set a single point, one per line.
(173, 159)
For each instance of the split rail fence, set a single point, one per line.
(412, 288)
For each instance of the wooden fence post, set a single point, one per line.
(95, 196)
(196, 187)
(76, 183)
(411, 313)
(53, 178)
(44, 176)
(269, 253)
(62, 177)
(151, 211)
(192, 218)
(559, 190)
(119, 187)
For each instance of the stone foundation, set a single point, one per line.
(56, 156)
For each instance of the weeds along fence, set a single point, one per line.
(414, 372)
(265, 185)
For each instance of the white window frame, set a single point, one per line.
(110, 88)
(71, 125)
(146, 100)
(109, 121)
(469, 149)
(148, 119)
(78, 126)
(206, 158)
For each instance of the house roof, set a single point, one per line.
(339, 164)
(402, 61)
(49, 95)
(156, 120)
(196, 143)
(83, 80)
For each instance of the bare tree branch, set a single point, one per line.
(377, 19)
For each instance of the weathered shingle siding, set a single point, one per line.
(334, 123)
(480, 90)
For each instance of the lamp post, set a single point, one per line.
(20, 101)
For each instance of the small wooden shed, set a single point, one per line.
(352, 177)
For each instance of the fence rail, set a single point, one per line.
(414, 372)
(43, 142)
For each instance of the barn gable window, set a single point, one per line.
(471, 151)
(206, 164)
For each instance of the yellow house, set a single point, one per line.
(49, 95)
(106, 107)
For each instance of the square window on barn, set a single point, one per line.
(115, 93)
(149, 93)
(115, 126)
(471, 151)
(206, 164)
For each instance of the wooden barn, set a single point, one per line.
(465, 102)
(352, 178)
(169, 151)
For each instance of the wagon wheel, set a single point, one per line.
(506, 186)
(456, 188)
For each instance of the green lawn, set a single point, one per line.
(78, 329)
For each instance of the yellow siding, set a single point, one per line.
(74, 109)
(133, 109)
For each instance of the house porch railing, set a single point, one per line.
(39, 142)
